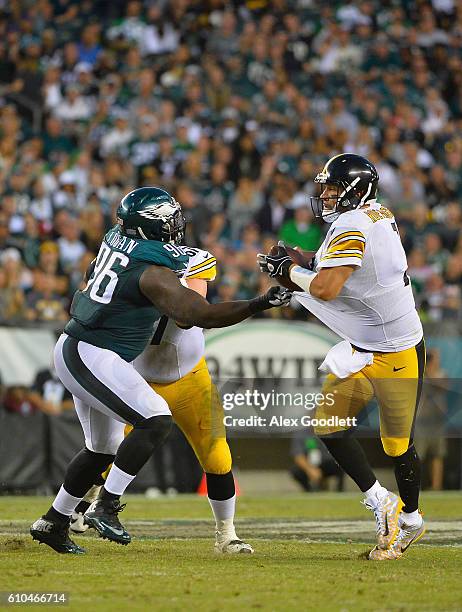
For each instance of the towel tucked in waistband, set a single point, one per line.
(342, 360)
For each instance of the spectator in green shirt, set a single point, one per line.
(301, 230)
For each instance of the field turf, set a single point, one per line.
(309, 556)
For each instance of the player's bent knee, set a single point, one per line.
(158, 427)
(218, 459)
(104, 446)
(156, 405)
(89, 460)
(394, 447)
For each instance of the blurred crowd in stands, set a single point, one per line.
(234, 107)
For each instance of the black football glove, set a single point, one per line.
(278, 296)
(274, 297)
(276, 265)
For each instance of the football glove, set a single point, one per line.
(274, 297)
(278, 296)
(277, 264)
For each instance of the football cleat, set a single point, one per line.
(407, 535)
(103, 516)
(55, 535)
(386, 511)
(233, 547)
(77, 521)
(78, 524)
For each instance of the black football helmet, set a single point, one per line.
(356, 179)
(151, 213)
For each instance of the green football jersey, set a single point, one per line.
(112, 312)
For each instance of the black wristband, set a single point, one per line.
(259, 304)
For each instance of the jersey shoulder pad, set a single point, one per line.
(158, 253)
(353, 220)
(345, 242)
(202, 264)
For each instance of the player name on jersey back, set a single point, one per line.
(118, 241)
(375, 310)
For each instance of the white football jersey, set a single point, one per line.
(174, 351)
(375, 309)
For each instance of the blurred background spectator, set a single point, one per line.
(50, 394)
(313, 466)
(232, 107)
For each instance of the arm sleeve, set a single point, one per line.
(346, 247)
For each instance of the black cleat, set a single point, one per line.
(102, 516)
(55, 535)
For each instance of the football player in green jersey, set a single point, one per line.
(132, 282)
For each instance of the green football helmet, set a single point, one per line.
(151, 213)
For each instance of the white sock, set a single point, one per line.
(223, 511)
(65, 503)
(411, 518)
(376, 491)
(117, 481)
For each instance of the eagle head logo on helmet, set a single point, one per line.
(151, 213)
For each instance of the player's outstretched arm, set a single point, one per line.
(161, 286)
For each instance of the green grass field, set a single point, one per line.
(309, 555)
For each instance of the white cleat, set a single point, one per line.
(232, 547)
(407, 535)
(77, 524)
(386, 510)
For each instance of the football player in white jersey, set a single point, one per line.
(175, 367)
(358, 286)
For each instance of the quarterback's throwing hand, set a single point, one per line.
(276, 263)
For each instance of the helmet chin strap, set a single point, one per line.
(142, 234)
(364, 198)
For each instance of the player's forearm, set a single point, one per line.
(182, 304)
(324, 285)
(229, 313)
(223, 314)
(320, 290)
(311, 283)
(188, 307)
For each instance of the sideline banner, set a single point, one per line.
(25, 351)
(273, 349)
(23, 450)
